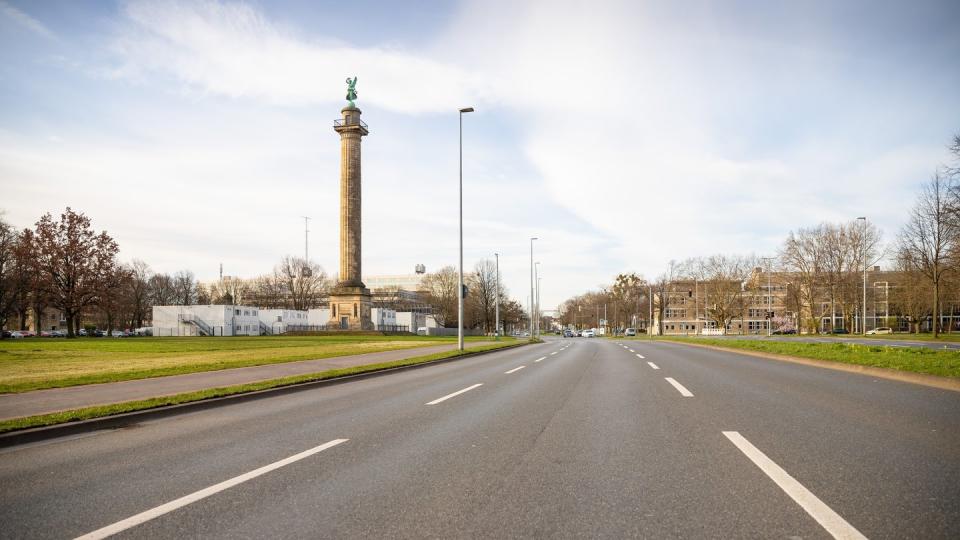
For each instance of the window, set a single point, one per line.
(246, 312)
(236, 312)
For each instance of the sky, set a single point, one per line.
(622, 135)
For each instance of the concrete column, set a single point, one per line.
(350, 301)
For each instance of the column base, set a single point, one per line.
(350, 308)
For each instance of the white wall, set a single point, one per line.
(318, 317)
(277, 320)
(222, 320)
(383, 317)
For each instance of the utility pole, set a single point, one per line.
(306, 238)
(496, 332)
(769, 298)
(863, 317)
(531, 285)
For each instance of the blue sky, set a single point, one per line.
(623, 134)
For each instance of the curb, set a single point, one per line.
(132, 418)
(933, 381)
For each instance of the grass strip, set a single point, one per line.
(36, 364)
(942, 363)
(88, 413)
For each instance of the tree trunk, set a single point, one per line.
(936, 309)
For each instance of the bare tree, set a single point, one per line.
(440, 289)
(11, 281)
(184, 288)
(928, 241)
(725, 275)
(482, 284)
(139, 292)
(161, 291)
(803, 255)
(305, 282)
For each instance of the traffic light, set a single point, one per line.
(464, 291)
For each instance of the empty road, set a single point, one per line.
(571, 438)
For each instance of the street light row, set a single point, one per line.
(534, 300)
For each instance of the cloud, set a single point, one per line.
(231, 49)
(25, 20)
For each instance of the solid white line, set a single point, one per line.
(153, 513)
(651, 364)
(538, 359)
(825, 516)
(513, 370)
(683, 391)
(457, 393)
(640, 356)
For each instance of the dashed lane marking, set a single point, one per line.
(680, 388)
(457, 393)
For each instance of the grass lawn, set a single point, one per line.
(943, 363)
(130, 406)
(36, 363)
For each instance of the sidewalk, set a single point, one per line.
(76, 397)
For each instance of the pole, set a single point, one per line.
(650, 320)
(496, 333)
(531, 285)
(864, 317)
(536, 296)
(769, 301)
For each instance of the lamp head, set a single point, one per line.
(466, 109)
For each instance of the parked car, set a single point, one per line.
(82, 332)
(58, 333)
(117, 333)
(630, 332)
(589, 333)
(28, 333)
(567, 333)
(99, 333)
(881, 330)
(839, 331)
(784, 332)
(6, 333)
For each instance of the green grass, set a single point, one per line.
(38, 363)
(130, 406)
(925, 360)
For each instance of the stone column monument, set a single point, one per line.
(350, 300)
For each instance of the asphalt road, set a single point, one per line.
(591, 441)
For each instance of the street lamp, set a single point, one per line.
(460, 280)
(769, 298)
(531, 284)
(536, 296)
(863, 314)
(496, 331)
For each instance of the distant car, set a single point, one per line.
(567, 333)
(589, 333)
(82, 332)
(16, 334)
(28, 333)
(6, 333)
(630, 332)
(881, 330)
(839, 331)
(58, 333)
(117, 333)
(788, 332)
(100, 333)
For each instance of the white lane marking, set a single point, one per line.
(825, 516)
(553, 353)
(680, 388)
(640, 356)
(651, 364)
(538, 359)
(457, 393)
(631, 350)
(154, 513)
(512, 370)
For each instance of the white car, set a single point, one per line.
(630, 332)
(881, 330)
(589, 333)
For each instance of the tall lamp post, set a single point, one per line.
(769, 298)
(460, 280)
(536, 296)
(496, 332)
(531, 284)
(863, 314)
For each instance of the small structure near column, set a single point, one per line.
(350, 300)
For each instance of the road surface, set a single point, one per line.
(571, 438)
